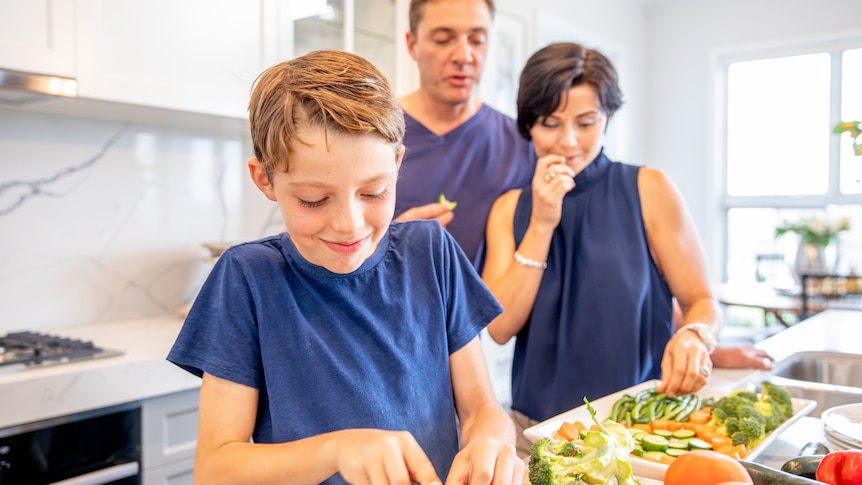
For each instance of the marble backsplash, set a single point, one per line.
(104, 220)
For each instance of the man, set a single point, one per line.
(456, 145)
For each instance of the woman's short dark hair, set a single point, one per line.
(553, 70)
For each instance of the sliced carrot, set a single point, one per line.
(736, 451)
(579, 425)
(674, 425)
(667, 459)
(569, 431)
(699, 417)
(644, 426)
(660, 424)
(720, 441)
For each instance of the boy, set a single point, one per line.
(345, 348)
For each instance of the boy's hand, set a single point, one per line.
(437, 210)
(370, 456)
(487, 461)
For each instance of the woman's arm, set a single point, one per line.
(487, 434)
(679, 256)
(515, 285)
(363, 456)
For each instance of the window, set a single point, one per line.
(782, 161)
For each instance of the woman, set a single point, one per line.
(587, 259)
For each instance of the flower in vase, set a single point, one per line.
(814, 230)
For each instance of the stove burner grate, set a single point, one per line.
(33, 348)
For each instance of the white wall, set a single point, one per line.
(683, 41)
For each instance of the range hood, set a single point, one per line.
(17, 87)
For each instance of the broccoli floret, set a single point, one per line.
(541, 472)
(744, 393)
(730, 406)
(553, 462)
(780, 395)
(754, 430)
(772, 411)
(741, 438)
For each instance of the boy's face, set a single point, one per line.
(450, 46)
(337, 203)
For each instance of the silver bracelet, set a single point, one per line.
(530, 263)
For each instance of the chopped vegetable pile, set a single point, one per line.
(664, 428)
(598, 456)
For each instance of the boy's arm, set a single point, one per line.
(225, 455)
(487, 433)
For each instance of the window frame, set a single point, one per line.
(835, 46)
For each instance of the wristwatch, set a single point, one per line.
(702, 331)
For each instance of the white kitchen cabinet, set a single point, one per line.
(169, 433)
(189, 55)
(38, 36)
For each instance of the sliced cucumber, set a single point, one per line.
(655, 456)
(677, 444)
(654, 443)
(675, 452)
(663, 432)
(684, 433)
(698, 444)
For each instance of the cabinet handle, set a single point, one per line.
(104, 475)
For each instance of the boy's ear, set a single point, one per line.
(258, 176)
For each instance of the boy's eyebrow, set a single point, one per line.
(325, 185)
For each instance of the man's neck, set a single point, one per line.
(439, 118)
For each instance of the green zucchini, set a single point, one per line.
(764, 475)
(804, 466)
(814, 448)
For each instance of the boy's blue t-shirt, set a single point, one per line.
(328, 351)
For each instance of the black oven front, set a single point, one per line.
(94, 447)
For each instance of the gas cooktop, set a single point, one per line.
(32, 349)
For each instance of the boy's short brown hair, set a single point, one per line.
(335, 90)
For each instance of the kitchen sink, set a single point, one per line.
(823, 367)
(830, 378)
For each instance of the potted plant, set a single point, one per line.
(815, 253)
(855, 129)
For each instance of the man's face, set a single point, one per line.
(450, 46)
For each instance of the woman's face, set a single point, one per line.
(575, 130)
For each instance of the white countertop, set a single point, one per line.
(37, 393)
(829, 331)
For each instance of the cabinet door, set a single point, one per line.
(38, 36)
(169, 429)
(189, 55)
(177, 473)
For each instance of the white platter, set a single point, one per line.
(646, 468)
(844, 423)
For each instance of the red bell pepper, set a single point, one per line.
(841, 468)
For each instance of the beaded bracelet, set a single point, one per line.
(530, 263)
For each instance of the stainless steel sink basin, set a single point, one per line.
(830, 378)
(823, 367)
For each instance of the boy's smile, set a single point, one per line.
(337, 201)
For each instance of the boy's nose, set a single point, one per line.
(348, 218)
